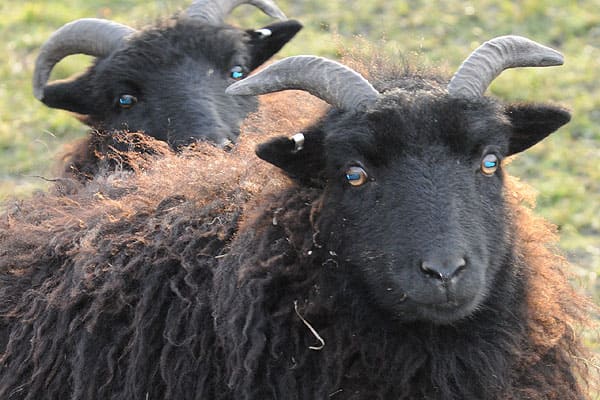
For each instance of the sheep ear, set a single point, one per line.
(532, 122)
(301, 157)
(72, 95)
(267, 41)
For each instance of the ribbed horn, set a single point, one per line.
(491, 58)
(215, 11)
(91, 36)
(333, 82)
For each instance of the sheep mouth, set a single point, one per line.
(449, 305)
(446, 312)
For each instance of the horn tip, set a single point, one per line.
(553, 60)
(38, 93)
(280, 15)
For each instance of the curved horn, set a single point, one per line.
(333, 82)
(215, 11)
(491, 58)
(91, 36)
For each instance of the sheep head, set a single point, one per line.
(412, 199)
(167, 81)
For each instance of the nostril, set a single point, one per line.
(444, 270)
(461, 264)
(430, 270)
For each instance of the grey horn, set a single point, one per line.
(215, 11)
(333, 82)
(91, 36)
(491, 58)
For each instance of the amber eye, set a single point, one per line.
(127, 101)
(356, 176)
(489, 164)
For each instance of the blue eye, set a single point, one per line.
(127, 101)
(237, 72)
(489, 164)
(356, 176)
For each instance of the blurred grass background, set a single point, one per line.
(565, 168)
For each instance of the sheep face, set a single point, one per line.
(169, 82)
(412, 201)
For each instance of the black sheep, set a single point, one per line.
(400, 262)
(400, 267)
(167, 81)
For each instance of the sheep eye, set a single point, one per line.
(237, 72)
(356, 176)
(263, 33)
(127, 101)
(489, 164)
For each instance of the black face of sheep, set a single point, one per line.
(167, 81)
(412, 181)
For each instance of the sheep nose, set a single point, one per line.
(444, 270)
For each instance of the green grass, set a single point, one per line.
(564, 168)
